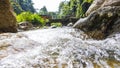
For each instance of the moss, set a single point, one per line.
(56, 24)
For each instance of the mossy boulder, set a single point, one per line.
(7, 19)
(101, 23)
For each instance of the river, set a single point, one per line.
(58, 48)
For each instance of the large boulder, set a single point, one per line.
(97, 4)
(7, 19)
(101, 23)
(103, 19)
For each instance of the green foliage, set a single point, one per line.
(22, 5)
(46, 20)
(74, 8)
(17, 8)
(64, 9)
(53, 15)
(24, 16)
(35, 19)
(89, 1)
(43, 11)
(56, 24)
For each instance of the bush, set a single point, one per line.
(24, 16)
(35, 19)
(57, 24)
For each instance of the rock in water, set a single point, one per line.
(70, 24)
(103, 19)
(101, 23)
(25, 25)
(95, 5)
(7, 18)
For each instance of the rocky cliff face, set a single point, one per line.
(7, 19)
(103, 19)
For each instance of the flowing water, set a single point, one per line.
(58, 48)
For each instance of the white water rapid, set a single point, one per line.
(58, 48)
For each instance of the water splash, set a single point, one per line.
(59, 48)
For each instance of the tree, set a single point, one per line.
(53, 15)
(22, 5)
(16, 6)
(74, 8)
(43, 11)
(64, 9)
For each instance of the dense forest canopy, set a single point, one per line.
(22, 5)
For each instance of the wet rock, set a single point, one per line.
(101, 23)
(53, 26)
(70, 24)
(7, 19)
(111, 3)
(97, 4)
(25, 25)
(101, 20)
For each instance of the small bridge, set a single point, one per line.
(63, 21)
